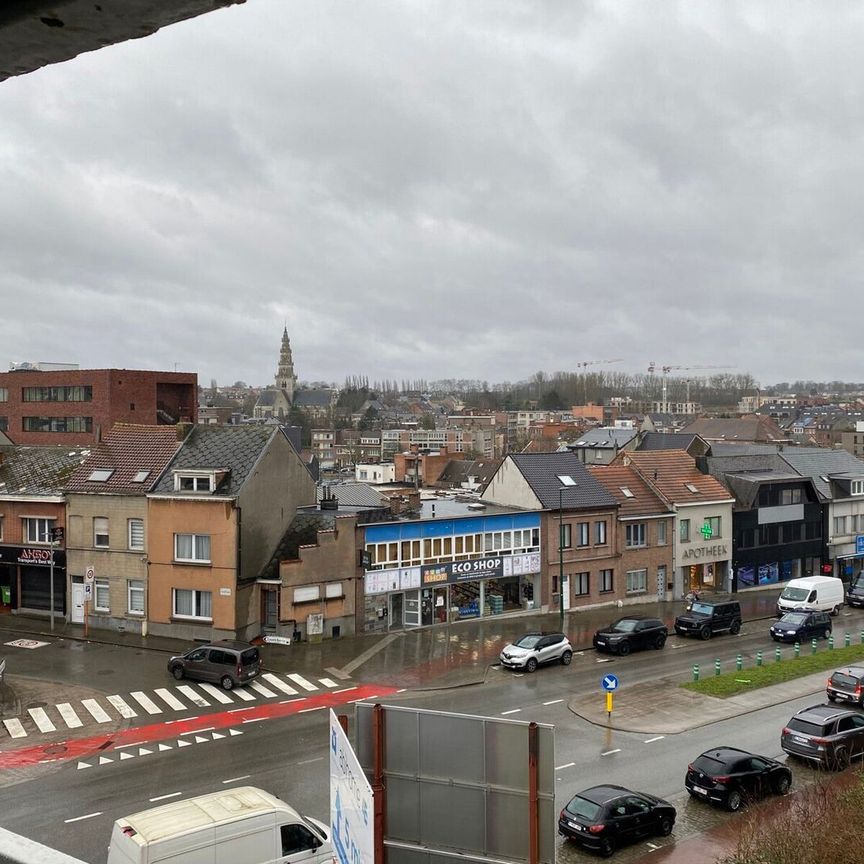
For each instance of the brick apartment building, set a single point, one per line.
(76, 406)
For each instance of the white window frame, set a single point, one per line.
(134, 587)
(197, 597)
(200, 481)
(196, 541)
(857, 487)
(840, 525)
(661, 533)
(635, 542)
(637, 581)
(333, 590)
(307, 594)
(38, 522)
(129, 524)
(101, 586)
(712, 521)
(101, 522)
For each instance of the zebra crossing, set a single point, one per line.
(161, 700)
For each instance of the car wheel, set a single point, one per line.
(664, 829)
(659, 642)
(531, 665)
(827, 633)
(783, 784)
(833, 698)
(734, 801)
(835, 611)
(735, 628)
(841, 759)
(705, 634)
(606, 847)
(227, 682)
(177, 672)
(566, 657)
(624, 648)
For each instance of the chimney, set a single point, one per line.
(183, 430)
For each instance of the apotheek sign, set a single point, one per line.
(461, 571)
(716, 552)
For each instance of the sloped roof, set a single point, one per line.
(267, 397)
(672, 473)
(668, 441)
(745, 485)
(313, 398)
(351, 494)
(457, 471)
(127, 451)
(38, 470)
(742, 448)
(751, 427)
(642, 501)
(542, 472)
(235, 449)
(819, 462)
(605, 437)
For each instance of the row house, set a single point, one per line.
(323, 447)
(355, 446)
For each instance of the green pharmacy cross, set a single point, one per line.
(707, 531)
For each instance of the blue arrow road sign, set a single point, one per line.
(859, 544)
(609, 683)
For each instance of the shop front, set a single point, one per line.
(848, 558)
(705, 567)
(453, 591)
(25, 579)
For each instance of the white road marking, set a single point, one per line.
(310, 761)
(553, 702)
(655, 738)
(200, 739)
(216, 735)
(235, 779)
(125, 755)
(84, 765)
(143, 751)
(307, 710)
(604, 659)
(163, 797)
(182, 743)
(652, 846)
(264, 691)
(328, 682)
(41, 719)
(299, 679)
(104, 760)
(562, 767)
(169, 699)
(279, 684)
(511, 711)
(146, 702)
(97, 712)
(610, 752)
(345, 689)
(70, 718)
(255, 719)
(196, 731)
(15, 728)
(193, 696)
(79, 818)
(234, 732)
(124, 709)
(244, 694)
(163, 747)
(217, 694)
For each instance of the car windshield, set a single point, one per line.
(794, 593)
(841, 679)
(858, 581)
(709, 765)
(793, 618)
(796, 724)
(583, 808)
(625, 625)
(249, 656)
(528, 641)
(702, 608)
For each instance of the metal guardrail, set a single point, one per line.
(15, 849)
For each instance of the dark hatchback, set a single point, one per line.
(827, 734)
(801, 627)
(632, 633)
(847, 685)
(730, 777)
(603, 818)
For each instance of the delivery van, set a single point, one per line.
(818, 593)
(234, 826)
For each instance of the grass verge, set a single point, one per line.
(772, 672)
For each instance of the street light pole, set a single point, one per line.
(51, 584)
(561, 557)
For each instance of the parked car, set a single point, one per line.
(707, 617)
(827, 734)
(847, 685)
(855, 591)
(603, 818)
(226, 663)
(730, 777)
(533, 649)
(820, 593)
(801, 627)
(632, 633)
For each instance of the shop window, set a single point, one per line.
(684, 530)
(581, 584)
(607, 581)
(487, 542)
(459, 545)
(37, 530)
(582, 535)
(192, 604)
(101, 596)
(600, 533)
(661, 533)
(447, 550)
(100, 532)
(637, 581)
(135, 593)
(635, 535)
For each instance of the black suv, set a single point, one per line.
(707, 617)
(801, 627)
(826, 734)
(729, 777)
(631, 634)
(847, 685)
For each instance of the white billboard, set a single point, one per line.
(352, 830)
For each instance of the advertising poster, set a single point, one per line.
(351, 828)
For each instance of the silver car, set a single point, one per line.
(532, 649)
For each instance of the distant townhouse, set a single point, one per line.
(323, 445)
(756, 428)
(601, 445)
(107, 525)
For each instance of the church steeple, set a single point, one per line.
(285, 377)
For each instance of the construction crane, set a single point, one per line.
(586, 363)
(652, 366)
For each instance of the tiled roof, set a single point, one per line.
(642, 501)
(818, 462)
(752, 427)
(127, 451)
(232, 448)
(351, 494)
(672, 473)
(37, 470)
(313, 398)
(666, 441)
(459, 470)
(267, 398)
(542, 472)
(605, 437)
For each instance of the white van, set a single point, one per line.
(819, 593)
(235, 826)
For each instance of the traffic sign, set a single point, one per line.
(89, 573)
(88, 591)
(609, 683)
(859, 544)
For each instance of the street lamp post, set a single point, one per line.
(561, 557)
(56, 536)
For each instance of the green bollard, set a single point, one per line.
(812, 646)
(695, 671)
(777, 656)
(739, 663)
(797, 649)
(830, 643)
(717, 666)
(862, 637)
(758, 658)
(847, 641)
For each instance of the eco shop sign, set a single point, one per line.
(462, 571)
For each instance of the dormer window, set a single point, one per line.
(198, 481)
(857, 487)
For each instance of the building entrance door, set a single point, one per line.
(77, 615)
(661, 582)
(270, 603)
(565, 591)
(396, 606)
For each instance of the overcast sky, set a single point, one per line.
(444, 189)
